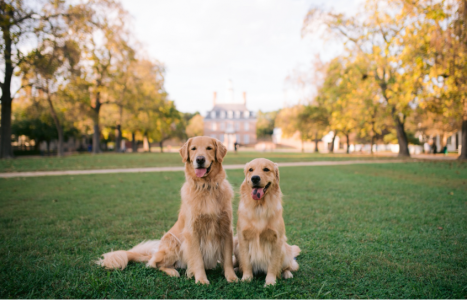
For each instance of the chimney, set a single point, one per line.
(214, 99)
(244, 98)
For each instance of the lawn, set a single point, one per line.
(136, 160)
(366, 231)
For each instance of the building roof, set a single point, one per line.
(230, 106)
(237, 111)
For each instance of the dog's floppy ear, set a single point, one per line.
(221, 151)
(245, 169)
(184, 151)
(276, 172)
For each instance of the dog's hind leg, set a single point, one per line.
(167, 256)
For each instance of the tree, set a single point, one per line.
(195, 126)
(443, 59)
(18, 23)
(265, 123)
(46, 67)
(105, 42)
(318, 120)
(332, 98)
(147, 110)
(32, 119)
(378, 36)
(292, 120)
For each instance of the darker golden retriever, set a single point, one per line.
(203, 233)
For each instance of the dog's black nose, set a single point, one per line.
(200, 160)
(255, 179)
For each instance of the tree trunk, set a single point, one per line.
(57, 125)
(48, 147)
(348, 143)
(303, 146)
(134, 144)
(161, 144)
(463, 154)
(5, 144)
(96, 137)
(316, 143)
(118, 139)
(332, 143)
(401, 136)
(5, 141)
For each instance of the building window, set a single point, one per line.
(230, 126)
(230, 114)
(247, 126)
(246, 139)
(237, 138)
(246, 114)
(222, 126)
(221, 138)
(214, 126)
(222, 114)
(213, 114)
(237, 114)
(237, 126)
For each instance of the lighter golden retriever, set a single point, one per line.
(260, 244)
(203, 233)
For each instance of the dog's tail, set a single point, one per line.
(120, 259)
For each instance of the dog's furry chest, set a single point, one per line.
(211, 231)
(260, 249)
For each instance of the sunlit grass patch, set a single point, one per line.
(378, 231)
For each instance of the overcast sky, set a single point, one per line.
(255, 43)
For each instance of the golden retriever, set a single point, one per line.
(203, 233)
(260, 244)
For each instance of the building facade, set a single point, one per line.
(231, 122)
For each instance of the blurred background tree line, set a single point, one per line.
(82, 73)
(402, 76)
(403, 71)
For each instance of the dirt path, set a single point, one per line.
(177, 169)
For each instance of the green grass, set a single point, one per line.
(130, 160)
(377, 231)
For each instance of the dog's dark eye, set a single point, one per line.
(208, 148)
(194, 148)
(251, 170)
(266, 170)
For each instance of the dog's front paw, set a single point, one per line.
(202, 281)
(287, 274)
(231, 277)
(247, 277)
(270, 280)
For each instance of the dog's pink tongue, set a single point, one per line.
(200, 172)
(257, 194)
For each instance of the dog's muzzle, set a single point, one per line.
(201, 171)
